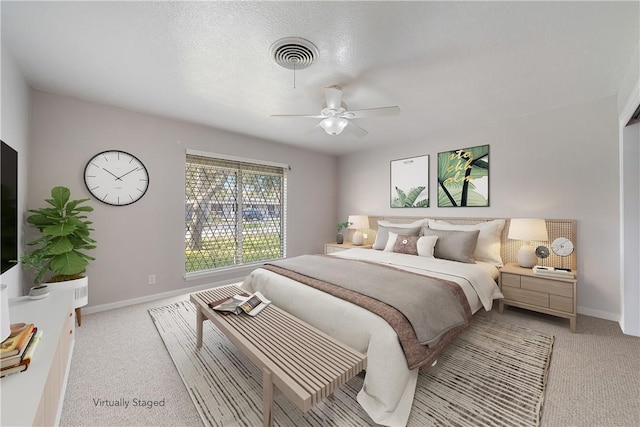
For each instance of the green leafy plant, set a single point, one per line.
(65, 233)
(408, 200)
(342, 225)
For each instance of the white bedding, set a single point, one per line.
(389, 386)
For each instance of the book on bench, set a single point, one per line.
(237, 304)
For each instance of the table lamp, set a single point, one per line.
(358, 222)
(527, 229)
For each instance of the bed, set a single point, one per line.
(389, 384)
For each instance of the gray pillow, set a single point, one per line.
(383, 234)
(454, 245)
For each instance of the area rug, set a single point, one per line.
(493, 374)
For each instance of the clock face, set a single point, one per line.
(116, 178)
(562, 246)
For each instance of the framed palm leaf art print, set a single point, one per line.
(463, 177)
(410, 182)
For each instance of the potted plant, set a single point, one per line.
(65, 235)
(339, 227)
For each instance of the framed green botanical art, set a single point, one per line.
(463, 177)
(410, 182)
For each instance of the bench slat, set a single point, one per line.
(327, 356)
(295, 367)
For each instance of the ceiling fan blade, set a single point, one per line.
(334, 97)
(317, 129)
(356, 129)
(310, 116)
(373, 112)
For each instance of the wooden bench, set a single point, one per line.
(303, 363)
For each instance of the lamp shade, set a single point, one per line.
(334, 125)
(528, 229)
(358, 222)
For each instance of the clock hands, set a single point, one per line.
(111, 173)
(118, 178)
(127, 173)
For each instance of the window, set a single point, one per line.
(234, 212)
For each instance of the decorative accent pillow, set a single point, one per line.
(454, 245)
(425, 245)
(406, 245)
(384, 227)
(488, 247)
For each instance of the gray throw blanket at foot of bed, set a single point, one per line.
(425, 312)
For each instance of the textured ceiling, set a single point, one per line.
(445, 64)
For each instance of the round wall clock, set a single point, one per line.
(116, 177)
(562, 246)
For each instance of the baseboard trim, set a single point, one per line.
(633, 330)
(615, 317)
(148, 298)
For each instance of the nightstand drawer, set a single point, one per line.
(527, 297)
(512, 280)
(554, 287)
(329, 249)
(561, 303)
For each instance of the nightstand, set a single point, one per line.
(554, 296)
(337, 247)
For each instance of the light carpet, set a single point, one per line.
(493, 374)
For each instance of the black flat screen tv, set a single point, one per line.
(9, 206)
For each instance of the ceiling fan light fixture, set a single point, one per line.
(334, 125)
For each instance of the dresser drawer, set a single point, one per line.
(512, 280)
(525, 296)
(561, 303)
(554, 287)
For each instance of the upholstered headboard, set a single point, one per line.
(509, 248)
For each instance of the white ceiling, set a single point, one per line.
(445, 64)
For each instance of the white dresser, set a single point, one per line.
(35, 396)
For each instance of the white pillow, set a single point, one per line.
(391, 242)
(426, 244)
(488, 248)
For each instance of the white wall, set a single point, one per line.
(147, 237)
(628, 91)
(561, 163)
(14, 131)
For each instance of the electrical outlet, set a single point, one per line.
(152, 279)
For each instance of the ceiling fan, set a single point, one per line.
(336, 118)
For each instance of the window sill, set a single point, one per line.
(243, 270)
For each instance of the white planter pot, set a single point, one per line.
(80, 287)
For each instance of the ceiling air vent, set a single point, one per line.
(294, 53)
